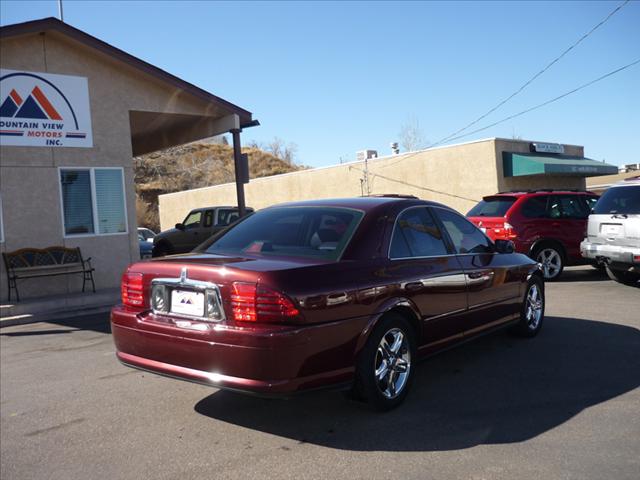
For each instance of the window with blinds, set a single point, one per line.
(110, 201)
(93, 201)
(76, 201)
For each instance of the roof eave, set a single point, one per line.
(50, 23)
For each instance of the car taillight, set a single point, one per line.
(255, 303)
(505, 231)
(509, 231)
(132, 289)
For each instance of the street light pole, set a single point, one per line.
(60, 12)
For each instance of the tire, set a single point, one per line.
(161, 250)
(623, 276)
(385, 368)
(552, 259)
(532, 311)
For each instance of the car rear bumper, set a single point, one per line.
(277, 362)
(610, 253)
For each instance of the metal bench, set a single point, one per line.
(47, 262)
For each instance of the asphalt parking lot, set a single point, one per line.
(561, 406)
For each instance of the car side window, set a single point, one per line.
(227, 217)
(553, 207)
(192, 220)
(466, 237)
(535, 207)
(416, 235)
(208, 219)
(590, 202)
(569, 206)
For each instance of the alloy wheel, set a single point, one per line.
(392, 363)
(551, 262)
(534, 307)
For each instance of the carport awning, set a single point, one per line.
(522, 164)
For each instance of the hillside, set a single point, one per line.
(191, 166)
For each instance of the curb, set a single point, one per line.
(50, 316)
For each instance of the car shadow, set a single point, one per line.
(98, 322)
(498, 389)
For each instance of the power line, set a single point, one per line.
(532, 79)
(402, 182)
(548, 101)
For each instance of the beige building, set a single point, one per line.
(456, 175)
(600, 184)
(73, 113)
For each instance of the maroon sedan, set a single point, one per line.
(324, 293)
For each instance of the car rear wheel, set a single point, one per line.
(385, 367)
(532, 311)
(551, 259)
(623, 276)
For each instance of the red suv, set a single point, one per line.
(547, 225)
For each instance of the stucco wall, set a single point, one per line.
(442, 175)
(458, 175)
(29, 178)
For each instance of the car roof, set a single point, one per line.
(521, 193)
(627, 182)
(360, 203)
(217, 206)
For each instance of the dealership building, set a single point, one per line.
(456, 175)
(74, 111)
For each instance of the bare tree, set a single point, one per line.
(411, 135)
(278, 148)
(255, 144)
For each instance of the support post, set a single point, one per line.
(237, 154)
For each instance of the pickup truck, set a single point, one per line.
(198, 225)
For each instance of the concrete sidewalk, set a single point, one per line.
(57, 306)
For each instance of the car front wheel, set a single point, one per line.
(532, 310)
(385, 367)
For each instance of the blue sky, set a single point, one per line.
(339, 77)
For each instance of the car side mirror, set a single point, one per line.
(505, 246)
(180, 226)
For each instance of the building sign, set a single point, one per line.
(44, 110)
(547, 148)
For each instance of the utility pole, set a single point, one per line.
(366, 176)
(60, 12)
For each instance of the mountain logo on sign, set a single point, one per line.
(36, 106)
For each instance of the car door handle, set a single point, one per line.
(337, 298)
(481, 275)
(413, 286)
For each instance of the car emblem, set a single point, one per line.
(183, 275)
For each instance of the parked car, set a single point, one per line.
(546, 225)
(321, 293)
(613, 235)
(147, 234)
(146, 248)
(198, 226)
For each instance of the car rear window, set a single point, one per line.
(319, 232)
(619, 200)
(492, 207)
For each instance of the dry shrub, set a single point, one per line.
(194, 165)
